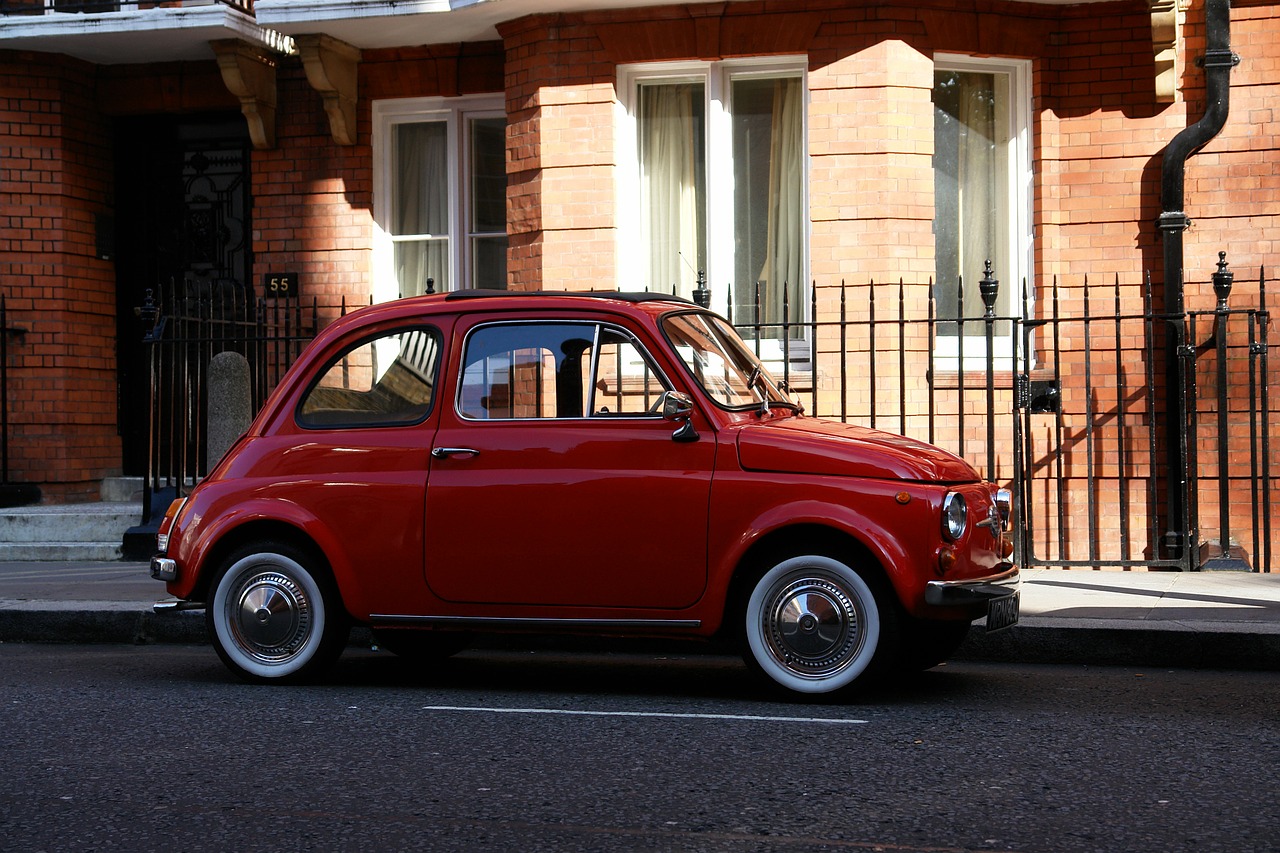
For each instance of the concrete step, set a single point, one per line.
(91, 531)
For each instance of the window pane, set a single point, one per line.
(534, 371)
(420, 192)
(488, 175)
(420, 260)
(670, 124)
(768, 204)
(624, 384)
(386, 381)
(489, 262)
(971, 168)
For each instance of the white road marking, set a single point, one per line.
(751, 718)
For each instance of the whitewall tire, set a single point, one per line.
(816, 626)
(272, 617)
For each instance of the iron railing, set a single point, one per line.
(185, 332)
(1065, 402)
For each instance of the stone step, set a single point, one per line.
(61, 552)
(89, 531)
(121, 490)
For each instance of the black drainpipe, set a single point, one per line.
(1217, 63)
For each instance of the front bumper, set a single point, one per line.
(974, 591)
(164, 569)
(997, 595)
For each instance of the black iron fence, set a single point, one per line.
(1064, 401)
(1063, 397)
(186, 331)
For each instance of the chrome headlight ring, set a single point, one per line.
(955, 516)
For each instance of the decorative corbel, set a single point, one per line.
(249, 73)
(1164, 44)
(332, 70)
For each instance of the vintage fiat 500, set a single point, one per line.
(611, 464)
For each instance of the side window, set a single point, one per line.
(382, 381)
(554, 370)
(625, 382)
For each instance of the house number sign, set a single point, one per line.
(280, 285)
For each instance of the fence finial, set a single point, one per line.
(1222, 281)
(988, 288)
(702, 293)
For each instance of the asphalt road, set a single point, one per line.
(150, 747)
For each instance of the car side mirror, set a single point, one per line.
(678, 408)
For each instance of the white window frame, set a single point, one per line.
(1013, 271)
(717, 78)
(456, 114)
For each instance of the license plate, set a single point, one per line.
(1002, 613)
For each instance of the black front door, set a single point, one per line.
(182, 237)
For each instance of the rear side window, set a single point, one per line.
(386, 380)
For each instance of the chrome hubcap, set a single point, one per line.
(270, 615)
(813, 627)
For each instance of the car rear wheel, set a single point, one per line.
(816, 626)
(274, 616)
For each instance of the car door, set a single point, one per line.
(555, 482)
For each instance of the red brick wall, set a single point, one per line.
(55, 176)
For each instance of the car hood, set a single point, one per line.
(801, 445)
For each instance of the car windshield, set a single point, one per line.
(721, 363)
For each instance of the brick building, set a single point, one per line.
(785, 150)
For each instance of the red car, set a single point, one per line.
(610, 464)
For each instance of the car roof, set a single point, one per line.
(653, 304)
(616, 295)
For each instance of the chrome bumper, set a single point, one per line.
(164, 569)
(973, 591)
(175, 605)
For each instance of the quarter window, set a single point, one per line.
(383, 381)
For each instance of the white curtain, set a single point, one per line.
(979, 163)
(783, 267)
(420, 209)
(669, 185)
(975, 163)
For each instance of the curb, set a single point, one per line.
(1035, 640)
(1117, 643)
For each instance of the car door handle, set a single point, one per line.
(446, 452)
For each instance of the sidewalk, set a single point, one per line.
(1222, 620)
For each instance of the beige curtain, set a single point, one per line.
(783, 267)
(981, 169)
(420, 206)
(669, 186)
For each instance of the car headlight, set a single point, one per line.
(955, 516)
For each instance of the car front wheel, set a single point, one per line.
(274, 616)
(816, 626)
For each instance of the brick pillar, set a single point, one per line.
(55, 181)
(560, 104)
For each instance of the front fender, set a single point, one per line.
(892, 528)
